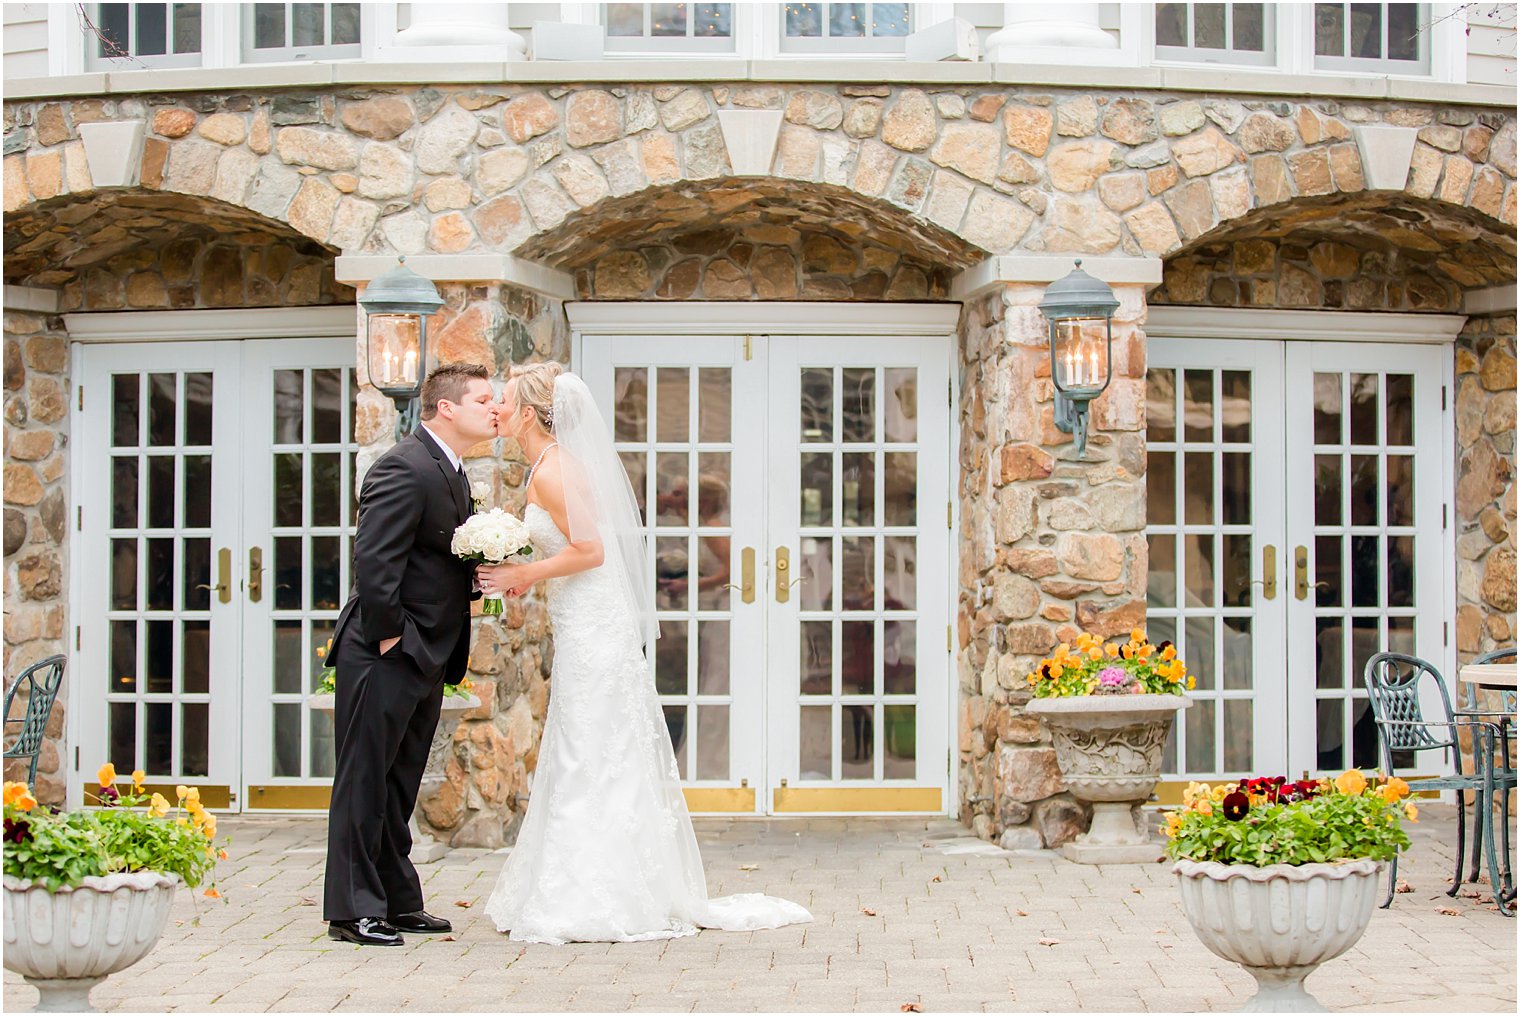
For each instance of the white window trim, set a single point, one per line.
(69, 17)
(1181, 56)
(327, 53)
(671, 46)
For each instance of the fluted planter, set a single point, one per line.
(1279, 922)
(66, 941)
(425, 849)
(1109, 750)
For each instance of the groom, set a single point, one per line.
(403, 634)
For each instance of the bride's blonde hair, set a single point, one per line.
(535, 389)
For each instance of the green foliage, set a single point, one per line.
(1095, 667)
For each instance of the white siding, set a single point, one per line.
(1491, 44)
(26, 35)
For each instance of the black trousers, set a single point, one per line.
(387, 711)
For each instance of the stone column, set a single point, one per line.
(1071, 27)
(1052, 545)
(456, 33)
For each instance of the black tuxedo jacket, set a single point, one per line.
(406, 581)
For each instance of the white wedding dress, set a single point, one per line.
(606, 852)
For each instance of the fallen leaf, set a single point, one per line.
(749, 867)
(868, 911)
(1449, 912)
(464, 904)
(1135, 891)
(911, 1007)
(1021, 913)
(936, 878)
(307, 901)
(448, 938)
(1050, 941)
(1403, 887)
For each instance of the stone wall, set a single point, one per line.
(481, 802)
(36, 515)
(1485, 518)
(1051, 545)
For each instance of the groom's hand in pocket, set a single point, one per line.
(386, 645)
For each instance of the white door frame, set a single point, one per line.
(1372, 329)
(94, 330)
(801, 318)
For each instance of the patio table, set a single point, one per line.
(1499, 676)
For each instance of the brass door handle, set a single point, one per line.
(223, 584)
(255, 574)
(1268, 580)
(784, 582)
(746, 584)
(1301, 583)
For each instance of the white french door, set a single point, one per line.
(795, 488)
(1295, 514)
(214, 489)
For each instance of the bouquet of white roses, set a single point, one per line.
(491, 538)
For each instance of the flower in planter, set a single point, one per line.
(327, 679)
(1095, 667)
(1267, 820)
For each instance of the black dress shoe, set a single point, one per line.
(420, 922)
(364, 931)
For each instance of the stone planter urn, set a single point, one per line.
(425, 849)
(1279, 922)
(1109, 751)
(66, 941)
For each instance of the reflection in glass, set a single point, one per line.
(816, 394)
(713, 472)
(670, 488)
(161, 492)
(323, 758)
(197, 492)
(715, 404)
(124, 574)
(857, 741)
(326, 490)
(625, 21)
(123, 675)
(713, 657)
(1235, 480)
(1249, 29)
(326, 587)
(1399, 425)
(1366, 570)
(815, 568)
(1365, 644)
(673, 403)
(901, 404)
(817, 640)
(667, 20)
(817, 489)
(1400, 480)
(1161, 577)
(1330, 734)
(1160, 488)
(124, 492)
(633, 464)
(1364, 490)
(1237, 735)
(1364, 409)
(857, 657)
(124, 415)
(1238, 664)
(194, 738)
(289, 407)
(289, 649)
(1235, 585)
(1198, 488)
(898, 671)
(1171, 26)
(857, 586)
(1198, 561)
(900, 491)
(1329, 652)
(857, 482)
(161, 575)
(713, 21)
(900, 759)
(1401, 571)
(1404, 33)
(327, 405)
(631, 385)
(158, 661)
(1367, 30)
(1329, 29)
(122, 732)
(858, 403)
(1208, 26)
(1161, 395)
(1200, 652)
(158, 737)
(161, 406)
(286, 738)
(198, 389)
(714, 572)
(287, 573)
(815, 741)
(289, 489)
(1327, 490)
(670, 573)
(1327, 571)
(675, 725)
(197, 573)
(1327, 407)
(1198, 405)
(899, 578)
(1199, 757)
(670, 658)
(712, 742)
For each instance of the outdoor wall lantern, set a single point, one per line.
(1080, 310)
(396, 307)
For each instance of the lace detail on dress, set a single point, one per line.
(606, 851)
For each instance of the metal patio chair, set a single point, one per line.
(42, 681)
(1394, 681)
(1504, 717)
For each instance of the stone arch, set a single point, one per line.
(1358, 251)
(139, 249)
(752, 238)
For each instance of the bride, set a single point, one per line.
(606, 851)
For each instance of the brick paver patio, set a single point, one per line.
(905, 912)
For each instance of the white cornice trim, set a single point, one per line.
(1494, 300)
(191, 325)
(34, 299)
(1044, 268)
(697, 317)
(1332, 325)
(359, 268)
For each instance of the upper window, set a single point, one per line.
(653, 28)
(845, 28)
(1375, 38)
(273, 32)
(144, 35)
(1215, 33)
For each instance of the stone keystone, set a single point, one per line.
(1386, 153)
(750, 135)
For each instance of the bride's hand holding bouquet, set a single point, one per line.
(491, 538)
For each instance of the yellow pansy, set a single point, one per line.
(1411, 812)
(1393, 790)
(193, 794)
(137, 779)
(106, 775)
(182, 791)
(1173, 824)
(1351, 782)
(159, 806)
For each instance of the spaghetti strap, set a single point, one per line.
(533, 469)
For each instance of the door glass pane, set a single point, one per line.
(670, 658)
(161, 409)
(899, 580)
(1330, 652)
(900, 757)
(1327, 490)
(1330, 732)
(1235, 405)
(197, 492)
(817, 387)
(673, 404)
(158, 737)
(124, 492)
(631, 389)
(713, 657)
(197, 574)
(124, 574)
(1400, 406)
(715, 404)
(816, 743)
(161, 492)
(268, 26)
(857, 742)
(1400, 481)
(1237, 665)
(858, 488)
(1198, 490)
(122, 732)
(817, 664)
(326, 488)
(713, 483)
(897, 658)
(124, 410)
(1235, 481)
(670, 573)
(712, 742)
(195, 738)
(1200, 736)
(817, 489)
(1198, 405)
(675, 725)
(859, 403)
(900, 493)
(671, 494)
(857, 659)
(1160, 488)
(1161, 395)
(161, 575)
(123, 666)
(1327, 406)
(714, 557)
(900, 409)
(198, 393)
(1161, 575)
(816, 570)
(1364, 409)
(286, 739)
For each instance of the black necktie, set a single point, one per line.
(464, 485)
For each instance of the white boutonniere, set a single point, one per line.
(480, 493)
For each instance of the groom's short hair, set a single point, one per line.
(446, 383)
